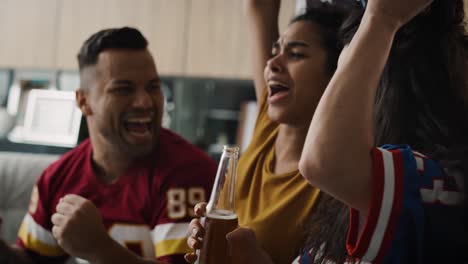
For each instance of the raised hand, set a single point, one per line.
(78, 227)
(397, 12)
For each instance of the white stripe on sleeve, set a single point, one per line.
(38, 232)
(170, 231)
(386, 207)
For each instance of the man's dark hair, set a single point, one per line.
(113, 38)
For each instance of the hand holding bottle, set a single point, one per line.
(196, 231)
(242, 243)
(220, 216)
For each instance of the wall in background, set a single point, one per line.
(466, 10)
(28, 31)
(204, 38)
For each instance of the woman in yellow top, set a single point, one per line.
(272, 197)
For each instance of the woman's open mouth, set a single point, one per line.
(277, 91)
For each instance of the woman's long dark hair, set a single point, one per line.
(422, 101)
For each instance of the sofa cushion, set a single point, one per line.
(18, 174)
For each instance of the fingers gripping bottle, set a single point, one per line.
(221, 217)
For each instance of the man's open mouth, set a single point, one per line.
(139, 126)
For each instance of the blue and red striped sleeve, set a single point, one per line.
(394, 205)
(413, 209)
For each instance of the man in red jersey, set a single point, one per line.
(125, 195)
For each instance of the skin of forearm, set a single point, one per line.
(262, 29)
(336, 156)
(263, 6)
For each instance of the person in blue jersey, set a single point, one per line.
(400, 80)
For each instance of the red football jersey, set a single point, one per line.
(147, 209)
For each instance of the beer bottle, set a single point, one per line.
(220, 217)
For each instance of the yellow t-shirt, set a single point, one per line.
(275, 206)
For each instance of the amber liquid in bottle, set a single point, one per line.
(220, 217)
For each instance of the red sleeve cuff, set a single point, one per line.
(374, 239)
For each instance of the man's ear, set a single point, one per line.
(82, 101)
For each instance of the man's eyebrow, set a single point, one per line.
(128, 82)
(122, 82)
